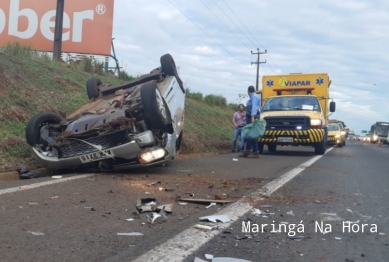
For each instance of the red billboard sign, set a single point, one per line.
(87, 24)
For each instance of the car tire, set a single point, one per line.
(169, 68)
(92, 87)
(344, 143)
(35, 124)
(168, 65)
(154, 108)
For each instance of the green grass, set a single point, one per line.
(31, 83)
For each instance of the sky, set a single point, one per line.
(211, 42)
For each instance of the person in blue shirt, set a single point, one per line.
(252, 113)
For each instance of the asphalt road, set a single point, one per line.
(78, 220)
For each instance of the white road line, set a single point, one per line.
(190, 240)
(272, 186)
(51, 182)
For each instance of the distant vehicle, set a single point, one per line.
(134, 124)
(345, 129)
(357, 138)
(379, 131)
(335, 136)
(366, 138)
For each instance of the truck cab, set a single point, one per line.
(295, 108)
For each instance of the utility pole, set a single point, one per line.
(57, 50)
(257, 63)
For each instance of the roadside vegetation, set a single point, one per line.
(31, 82)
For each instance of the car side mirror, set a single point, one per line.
(332, 106)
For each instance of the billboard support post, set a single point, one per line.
(58, 30)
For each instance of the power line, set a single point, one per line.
(204, 31)
(223, 23)
(232, 11)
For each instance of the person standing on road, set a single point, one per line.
(252, 113)
(239, 121)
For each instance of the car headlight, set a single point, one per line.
(337, 136)
(375, 137)
(152, 155)
(343, 133)
(315, 122)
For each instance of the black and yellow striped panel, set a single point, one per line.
(314, 135)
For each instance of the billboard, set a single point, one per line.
(87, 24)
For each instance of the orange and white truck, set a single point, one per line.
(296, 108)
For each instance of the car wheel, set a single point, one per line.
(168, 66)
(154, 108)
(36, 123)
(92, 87)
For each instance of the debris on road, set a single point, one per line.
(182, 203)
(146, 204)
(228, 259)
(215, 218)
(24, 173)
(205, 201)
(297, 238)
(206, 227)
(338, 238)
(168, 208)
(56, 177)
(349, 210)
(290, 213)
(130, 234)
(37, 233)
(208, 256)
(157, 217)
(210, 205)
(169, 189)
(256, 212)
(234, 159)
(191, 195)
(54, 197)
(240, 237)
(129, 219)
(266, 206)
(154, 183)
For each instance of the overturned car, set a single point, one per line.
(134, 124)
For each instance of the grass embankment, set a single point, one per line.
(29, 85)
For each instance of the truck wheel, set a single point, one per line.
(154, 109)
(92, 87)
(272, 147)
(260, 147)
(34, 126)
(320, 148)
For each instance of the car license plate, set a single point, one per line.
(285, 139)
(103, 154)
